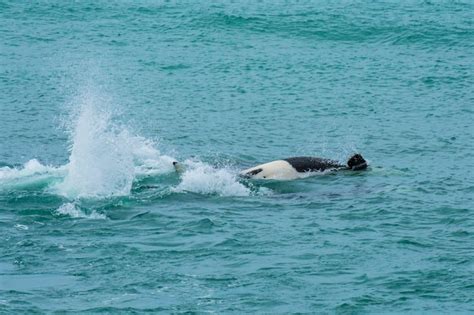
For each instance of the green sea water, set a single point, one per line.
(98, 98)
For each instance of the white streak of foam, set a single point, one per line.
(30, 168)
(205, 179)
(31, 173)
(73, 211)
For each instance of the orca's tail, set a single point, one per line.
(357, 163)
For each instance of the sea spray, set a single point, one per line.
(105, 158)
(100, 162)
(202, 178)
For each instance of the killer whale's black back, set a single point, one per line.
(312, 164)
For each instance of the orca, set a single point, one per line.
(301, 166)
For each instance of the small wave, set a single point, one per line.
(202, 178)
(72, 210)
(31, 174)
(30, 168)
(358, 26)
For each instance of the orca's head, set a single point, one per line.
(250, 174)
(178, 167)
(357, 162)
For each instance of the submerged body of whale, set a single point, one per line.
(299, 167)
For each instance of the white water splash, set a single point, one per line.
(100, 163)
(202, 178)
(72, 210)
(105, 158)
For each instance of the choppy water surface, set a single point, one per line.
(97, 100)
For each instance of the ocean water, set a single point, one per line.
(98, 98)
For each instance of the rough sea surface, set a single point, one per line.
(98, 98)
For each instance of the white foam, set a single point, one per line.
(105, 158)
(31, 173)
(202, 178)
(73, 211)
(98, 164)
(30, 168)
(147, 159)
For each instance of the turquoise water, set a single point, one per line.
(97, 99)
